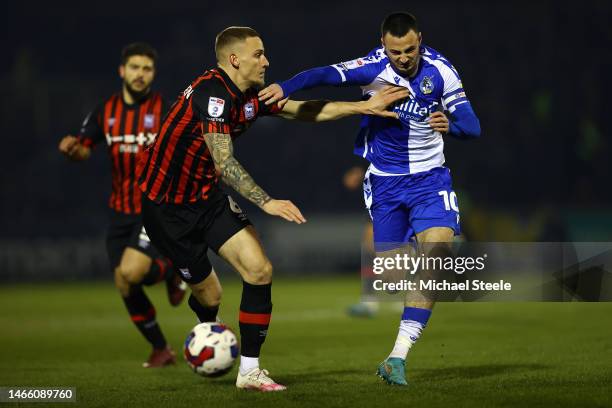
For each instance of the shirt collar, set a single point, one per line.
(230, 84)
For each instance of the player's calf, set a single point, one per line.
(143, 315)
(205, 298)
(245, 253)
(254, 319)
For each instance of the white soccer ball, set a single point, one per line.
(211, 349)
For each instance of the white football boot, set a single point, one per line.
(257, 379)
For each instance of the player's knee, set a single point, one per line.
(260, 274)
(131, 274)
(437, 235)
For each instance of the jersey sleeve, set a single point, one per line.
(453, 94)
(361, 71)
(91, 132)
(212, 104)
(267, 110)
(464, 123)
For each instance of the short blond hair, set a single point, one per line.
(230, 36)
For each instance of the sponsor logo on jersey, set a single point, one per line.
(137, 140)
(249, 110)
(412, 110)
(215, 106)
(129, 148)
(427, 85)
(149, 121)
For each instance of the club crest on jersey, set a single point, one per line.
(149, 121)
(215, 106)
(427, 85)
(249, 110)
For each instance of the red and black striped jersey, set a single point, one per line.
(127, 130)
(178, 167)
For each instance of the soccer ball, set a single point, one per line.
(211, 349)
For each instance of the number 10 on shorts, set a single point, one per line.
(450, 200)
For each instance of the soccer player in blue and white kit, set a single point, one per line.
(407, 189)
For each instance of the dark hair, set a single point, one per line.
(399, 24)
(138, 48)
(231, 35)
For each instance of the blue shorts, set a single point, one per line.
(403, 206)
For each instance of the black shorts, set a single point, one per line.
(126, 231)
(184, 232)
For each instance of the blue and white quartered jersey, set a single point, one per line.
(410, 145)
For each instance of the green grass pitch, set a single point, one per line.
(472, 355)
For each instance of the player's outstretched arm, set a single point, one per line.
(319, 111)
(232, 173)
(360, 71)
(73, 149)
(304, 80)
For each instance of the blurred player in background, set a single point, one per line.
(186, 212)
(407, 189)
(127, 122)
(369, 305)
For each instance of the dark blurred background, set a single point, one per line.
(535, 73)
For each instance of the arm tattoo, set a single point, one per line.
(232, 172)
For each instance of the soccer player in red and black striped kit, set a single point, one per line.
(184, 210)
(127, 122)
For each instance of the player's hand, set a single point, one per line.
(438, 122)
(271, 93)
(284, 209)
(353, 178)
(281, 104)
(378, 103)
(69, 145)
